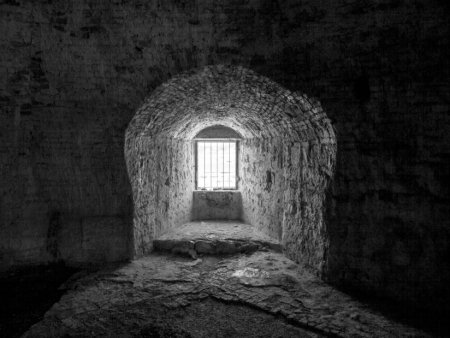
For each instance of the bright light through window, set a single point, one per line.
(216, 164)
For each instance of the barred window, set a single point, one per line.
(216, 164)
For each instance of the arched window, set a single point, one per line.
(216, 158)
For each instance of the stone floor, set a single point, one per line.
(259, 294)
(215, 237)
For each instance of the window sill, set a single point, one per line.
(214, 190)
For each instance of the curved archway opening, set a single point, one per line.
(286, 156)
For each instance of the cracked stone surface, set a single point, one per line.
(212, 237)
(192, 298)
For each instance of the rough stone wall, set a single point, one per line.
(256, 108)
(162, 178)
(94, 239)
(262, 184)
(217, 205)
(283, 186)
(75, 70)
(389, 206)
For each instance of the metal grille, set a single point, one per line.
(216, 164)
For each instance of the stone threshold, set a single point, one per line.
(215, 237)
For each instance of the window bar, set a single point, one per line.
(204, 165)
(225, 145)
(197, 177)
(199, 168)
(197, 165)
(210, 160)
(229, 164)
(223, 165)
(236, 164)
(224, 172)
(204, 168)
(217, 165)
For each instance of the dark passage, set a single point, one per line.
(27, 293)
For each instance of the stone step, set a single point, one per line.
(201, 246)
(215, 237)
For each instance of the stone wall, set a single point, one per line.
(94, 239)
(258, 109)
(262, 182)
(72, 74)
(217, 205)
(162, 178)
(283, 190)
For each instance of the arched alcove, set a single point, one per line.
(287, 156)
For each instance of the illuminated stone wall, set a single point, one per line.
(281, 129)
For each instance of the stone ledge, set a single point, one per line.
(202, 246)
(215, 237)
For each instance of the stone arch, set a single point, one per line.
(218, 131)
(287, 158)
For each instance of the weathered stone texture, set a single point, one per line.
(72, 74)
(162, 178)
(283, 187)
(217, 205)
(122, 300)
(104, 240)
(258, 109)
